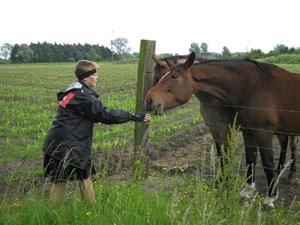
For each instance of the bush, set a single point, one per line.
(282, 59)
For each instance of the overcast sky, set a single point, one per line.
(237, 24)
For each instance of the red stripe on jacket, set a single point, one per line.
(66, 99)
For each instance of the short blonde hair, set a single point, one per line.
(84, 66)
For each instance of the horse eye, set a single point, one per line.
(175, 76)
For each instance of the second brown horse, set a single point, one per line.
(218, 118)
(261, 94)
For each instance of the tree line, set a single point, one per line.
(47, 52)
(279, 49)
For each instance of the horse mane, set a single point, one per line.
(268, 68)
(265, 69)
(176, 58)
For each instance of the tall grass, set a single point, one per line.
(179, 199)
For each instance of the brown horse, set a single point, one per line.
(261, 94)
(162, 65)
(218, 118)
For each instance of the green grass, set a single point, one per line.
(179, 199)
(28, 102)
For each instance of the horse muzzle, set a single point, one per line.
(150, 106)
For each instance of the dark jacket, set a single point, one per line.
(71, 133)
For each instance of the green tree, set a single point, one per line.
(281, 49)
(204, 48)
(6, 50)
(58, 55)
(120, 45)
(47, 55)
(226, 53)
(292, 50)
(194, 47)
(256, 54)
(78, 56)
(39, 53)
(14, 55)
(94, 56)
(26, 53)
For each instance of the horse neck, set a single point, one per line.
(218, 82)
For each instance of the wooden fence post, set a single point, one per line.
(144, 83)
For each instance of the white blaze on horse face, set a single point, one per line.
(164, 76)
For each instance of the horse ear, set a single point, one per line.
(158, 61)
(190, 60)
(169, 63)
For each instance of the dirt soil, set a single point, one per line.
(187, 152)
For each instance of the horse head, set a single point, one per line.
(167, 93)
(163, 65)
(161, 68)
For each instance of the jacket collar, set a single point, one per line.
(77, 85)
(91, 90)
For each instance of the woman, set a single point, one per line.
(68, 144)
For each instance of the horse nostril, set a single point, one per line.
(149, 101)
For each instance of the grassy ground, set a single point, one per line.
(28, 102)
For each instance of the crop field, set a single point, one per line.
(27, 108)
(28, 104)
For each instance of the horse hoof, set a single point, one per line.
(247, 191)
(268, 207)
(269, 202)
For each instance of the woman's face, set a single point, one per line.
(91, 81)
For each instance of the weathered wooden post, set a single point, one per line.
(144, 83)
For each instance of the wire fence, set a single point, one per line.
(284, 149)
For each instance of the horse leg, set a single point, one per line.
(264, 141)
(221, 145)
(283, 141)
(293, 146)
(251, 156)
(217, 119)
